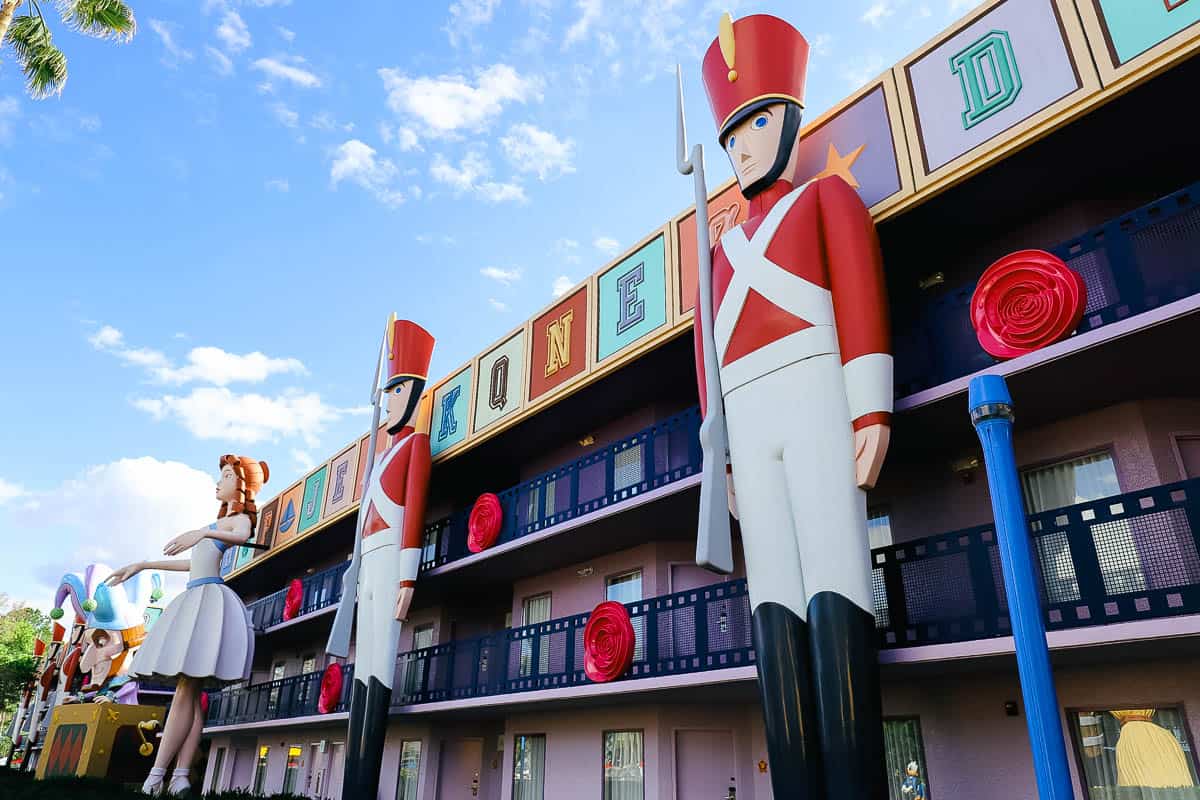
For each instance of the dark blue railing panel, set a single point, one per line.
(321, 590)
(285, 698)
(1128, 557)
(661, 454)
(700, 629)
(1134, 263)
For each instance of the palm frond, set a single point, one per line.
(44, 65)
(103, 19)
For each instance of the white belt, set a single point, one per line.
(384, 538)
(818, 340)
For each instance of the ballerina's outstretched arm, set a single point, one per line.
(128, 571)
(236, 532)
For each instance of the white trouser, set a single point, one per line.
(377, 639)
(803, 517)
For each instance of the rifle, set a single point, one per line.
(714, 540)
(343, 621)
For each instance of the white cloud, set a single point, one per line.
(358, 162)
(470, 169)
(119, 513)
(406, 140)
(820, 44)
(567, 249)
(221, 63)
(286, 116)
(233, 32)
(9, 111)
(204, 364)
(303, 460)
(9, 491)
(497, 305)
(89, 122)
(285, 34)
(496, 193)
(211, 412)
(278, 185)
(863, 70)
(448, 104)
(504, 276)
(466, 15)
(531, 149)
(562, 285)
(589, 12)
(878, 12)
(324, 121)
(607, 245)
(276, 68)
(174, 54)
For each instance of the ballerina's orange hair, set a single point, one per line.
(251, 475)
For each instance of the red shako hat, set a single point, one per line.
(410, 348)
(755, 61)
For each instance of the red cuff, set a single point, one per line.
(874, 418)
(408, 584)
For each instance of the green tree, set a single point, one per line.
(20, 625)
(28, 35)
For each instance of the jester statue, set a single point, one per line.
(797, 334)
(387, 551)
(114, 627)
(204, 637)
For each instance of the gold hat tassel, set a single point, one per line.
(725, 37)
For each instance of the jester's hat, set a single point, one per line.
(110, 608)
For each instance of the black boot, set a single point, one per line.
(845, 663)
(358, 704)
(784, 684)
(366, 741)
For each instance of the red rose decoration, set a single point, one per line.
(293, 599)
(204, 703)
(1025, 301)
(331, 689)
(483, 526)
(608, 642)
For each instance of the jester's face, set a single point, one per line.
(101, 648)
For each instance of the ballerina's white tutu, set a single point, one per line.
(204, 633)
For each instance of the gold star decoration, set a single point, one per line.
(838, 164)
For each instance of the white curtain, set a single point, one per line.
(624, 777)
(529, 767)
(536, 609)
(410, 769)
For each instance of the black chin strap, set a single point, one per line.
(787, 140)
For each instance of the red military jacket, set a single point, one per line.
(398, 487)
(798, 278)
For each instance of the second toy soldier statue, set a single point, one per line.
(387, 553)
(799, 335)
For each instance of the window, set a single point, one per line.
(529, 767)
(623, 766)
(277, 673)
(410, 769)
(429, 546)
(627, 467)
(905, 756)
(1134, 748)
(308, 664)
(627, 588)
(879, 528)
(414, 675)
(291, 771)
(535, 610)
(260, 769)
(1076, 480)
(218, 765)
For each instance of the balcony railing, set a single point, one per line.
(700, 629)
(1136, 262)
(321, 590)
(1128, 557)
(285, 698)
(663, 453)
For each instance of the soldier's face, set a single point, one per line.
(397, 405)
(753, 143)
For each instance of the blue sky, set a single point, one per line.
(202, 236)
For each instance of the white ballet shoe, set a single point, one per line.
(180, 785)
(153, 785)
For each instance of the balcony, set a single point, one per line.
(321, 590)
(1141, 261)
(1124, 558)
(664, 453)
(283, 699)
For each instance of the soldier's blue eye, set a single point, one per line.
(760, 121)
(729, 144)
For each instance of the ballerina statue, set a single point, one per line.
(204, 638)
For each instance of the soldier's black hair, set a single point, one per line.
(413, 400)
(787, 140)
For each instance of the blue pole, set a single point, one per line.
(991, 414)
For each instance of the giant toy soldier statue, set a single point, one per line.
(799, 337)
(387, 554)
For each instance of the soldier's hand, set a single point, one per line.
(403, 600)
(870, 448)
